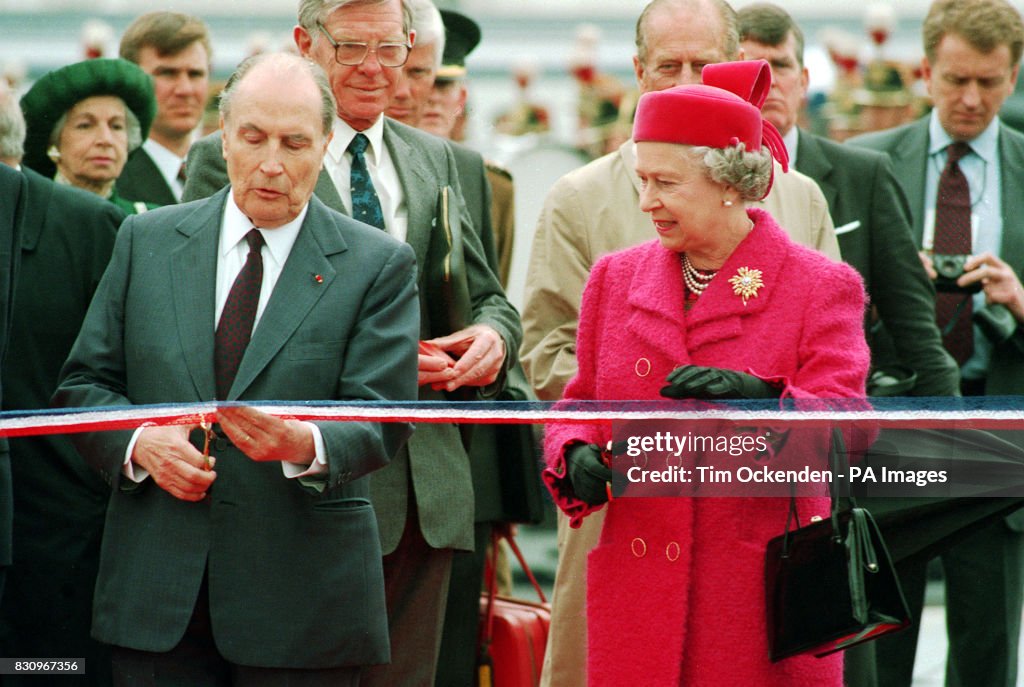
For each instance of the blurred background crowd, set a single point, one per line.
(550, 85)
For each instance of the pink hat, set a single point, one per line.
(721, 112)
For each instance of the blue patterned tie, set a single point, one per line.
(365, 203)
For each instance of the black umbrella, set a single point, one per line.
(984, 482)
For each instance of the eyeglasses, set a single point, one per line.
(352, 53)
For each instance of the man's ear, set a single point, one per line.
(1012, 86)
(303, 41)
(926, 73)
(638, 69)
(223, 139)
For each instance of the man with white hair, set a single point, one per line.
(247, 554)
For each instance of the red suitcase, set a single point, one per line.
(514, 632)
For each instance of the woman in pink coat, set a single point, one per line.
(722, 305)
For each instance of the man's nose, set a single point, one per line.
(972, 94)
(271, 164)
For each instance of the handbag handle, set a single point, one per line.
(498, 533)
(838, 464)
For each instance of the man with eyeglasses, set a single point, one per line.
(424, 498)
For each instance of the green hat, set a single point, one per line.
(58, 91)
(461, 35)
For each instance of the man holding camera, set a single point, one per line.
(960, 168)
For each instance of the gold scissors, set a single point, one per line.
(207, 428)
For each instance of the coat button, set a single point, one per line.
(639, 547)
(641, 460)
(642, 367)
(672, 551)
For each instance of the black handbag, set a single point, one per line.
(831, 585)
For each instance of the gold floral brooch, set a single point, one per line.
(746, 283)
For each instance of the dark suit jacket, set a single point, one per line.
(860, 187)
(140, 180)
(908, 147)
(435, 463)
(13, 194)
(295, 577)
(476, 191)
(59, 503)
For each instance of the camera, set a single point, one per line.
(949, 268)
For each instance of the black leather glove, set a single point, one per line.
(694, 381)
(587, 473)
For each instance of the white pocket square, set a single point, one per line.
(848, 227)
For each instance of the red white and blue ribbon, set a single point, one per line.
(981, 413)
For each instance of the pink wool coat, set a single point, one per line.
(675, 589)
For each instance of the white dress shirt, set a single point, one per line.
(232, 252)
(383, 173)
(168, 164)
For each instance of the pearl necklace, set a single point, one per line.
(695, 280)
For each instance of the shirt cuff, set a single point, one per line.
(136, 473)
(319, 464)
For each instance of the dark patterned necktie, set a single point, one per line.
(182, 173)
(365, 203)
(953, 237)
(238, 317)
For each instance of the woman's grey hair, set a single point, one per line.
(313, 11)
(132, 126)
(428, 25)
(12, 126)
(327, 102)
(747, 172)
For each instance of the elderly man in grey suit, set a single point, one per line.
(960, 168)
(424, 499)
(259, 563)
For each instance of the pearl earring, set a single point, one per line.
(53, 154)
(726, 203)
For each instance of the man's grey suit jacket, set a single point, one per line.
(907, 146)
(435, 462)
(862, 192)
(295, 578)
